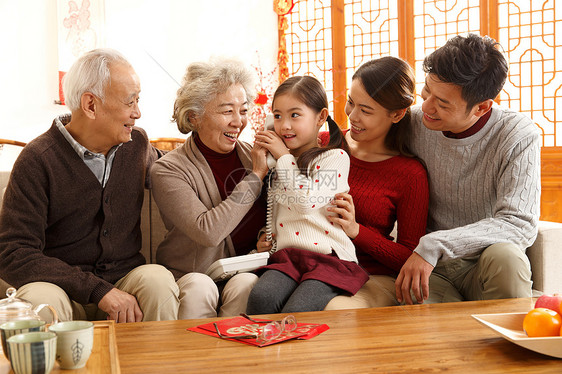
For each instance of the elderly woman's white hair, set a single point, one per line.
(203, 81)
(90, 73)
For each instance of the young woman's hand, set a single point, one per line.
(272, 142)
(343, 206)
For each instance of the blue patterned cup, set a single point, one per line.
(12, 328)
(32, 352)
(75, 342)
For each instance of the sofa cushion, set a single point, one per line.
(545, 256)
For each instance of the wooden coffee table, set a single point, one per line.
(404, 339)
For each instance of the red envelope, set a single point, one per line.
(241, 326)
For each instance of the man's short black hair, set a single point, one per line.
(474, 63)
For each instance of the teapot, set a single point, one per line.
(14, 309)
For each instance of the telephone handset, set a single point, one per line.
(271, 161)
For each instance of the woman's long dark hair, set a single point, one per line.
(311, 93)
(390, 82)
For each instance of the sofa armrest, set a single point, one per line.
(545, 256)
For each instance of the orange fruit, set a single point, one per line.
(541, 322)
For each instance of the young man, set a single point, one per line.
(483, 164)
(69, 225)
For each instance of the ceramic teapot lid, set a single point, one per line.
(12, 306)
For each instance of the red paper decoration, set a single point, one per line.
(283, 7)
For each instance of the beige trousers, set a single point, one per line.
(502, 271)
(199, 295)
(153, 286)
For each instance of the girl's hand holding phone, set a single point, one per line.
(272, 142)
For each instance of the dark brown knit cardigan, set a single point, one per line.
(58, 224)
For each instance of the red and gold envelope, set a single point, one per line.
(241, 326)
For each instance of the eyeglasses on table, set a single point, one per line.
(270, 331)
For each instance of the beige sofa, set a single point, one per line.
(545, 254)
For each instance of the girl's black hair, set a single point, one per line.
(310, 91)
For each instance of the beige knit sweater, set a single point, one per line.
(198, 221)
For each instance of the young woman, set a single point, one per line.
(315, 259)
(388, 185)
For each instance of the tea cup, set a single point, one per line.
(74, 344)
(9, 329)
(32, 352)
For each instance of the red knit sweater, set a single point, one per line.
(385, 192)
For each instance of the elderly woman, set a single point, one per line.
(209, 190)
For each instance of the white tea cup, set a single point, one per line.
(75, 340)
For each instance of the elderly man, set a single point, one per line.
(69, 225)
(483, 163)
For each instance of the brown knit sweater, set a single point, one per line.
(58, 224)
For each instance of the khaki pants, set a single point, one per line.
(378, 291)
(199, 295)
(502, 271)
(153, 286)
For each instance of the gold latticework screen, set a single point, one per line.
(330, 39)
(309, 42)
(531, 34)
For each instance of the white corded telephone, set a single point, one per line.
(271, 161)
(225, 268)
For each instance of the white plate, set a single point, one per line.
(510, 326)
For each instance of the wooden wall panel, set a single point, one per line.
(551, 181)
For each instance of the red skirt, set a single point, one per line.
(300, 265)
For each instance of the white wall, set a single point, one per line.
(159, 37)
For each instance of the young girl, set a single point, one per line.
(315, 260)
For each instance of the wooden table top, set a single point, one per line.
(403, 339)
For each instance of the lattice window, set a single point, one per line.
(529, 31)
(531, 34)
(371, 32)
(437, 21)
(309, 41)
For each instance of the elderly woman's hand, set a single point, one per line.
(272, 142)
(259, 163)
(263, 245)
(343, 206)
